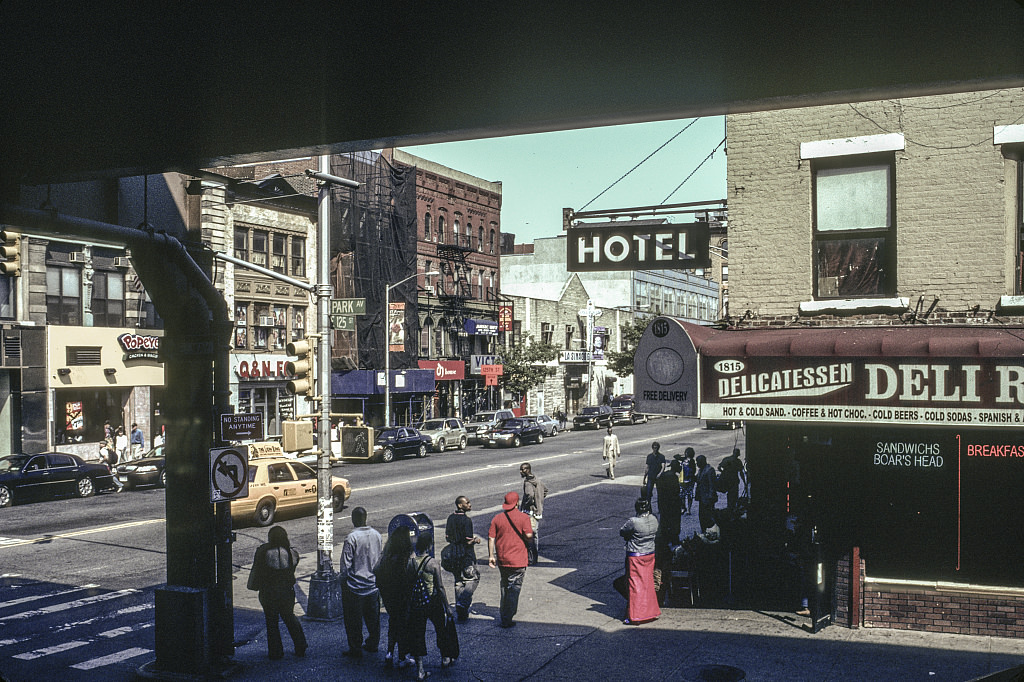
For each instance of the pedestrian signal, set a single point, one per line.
(10, 251)
(301, 368)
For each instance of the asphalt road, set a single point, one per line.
(77, 576)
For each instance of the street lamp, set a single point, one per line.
(387, 342)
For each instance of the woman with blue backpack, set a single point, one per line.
(428, 601)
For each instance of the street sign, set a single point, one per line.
(229, 474)
(343, 323)
(490, 380)
(241, 426)
(489, 370)
(348, 306)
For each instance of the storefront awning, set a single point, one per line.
(363, 382)
(481, 327)
(952, 376)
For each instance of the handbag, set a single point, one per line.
(531, 547)
(255, 582)
(451, 558)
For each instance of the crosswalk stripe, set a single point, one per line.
(23, 600)
(56, 649)
(56, 608)
(111, 658)
(106, 616)
(126, 630)
(16, 640)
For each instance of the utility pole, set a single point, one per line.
(590, 312)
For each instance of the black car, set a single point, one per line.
(48, 475)
(148, 470)
(399, 442)
(624, 412)
(514, 432)
(593, 418)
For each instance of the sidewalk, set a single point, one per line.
(570, 628)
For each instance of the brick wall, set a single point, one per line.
(955, 222)
(934, 611)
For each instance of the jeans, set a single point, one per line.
(511, 586)
(275, 607)
(705, 514)
(356, 610)
(464, 589)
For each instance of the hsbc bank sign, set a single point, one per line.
(445, 370)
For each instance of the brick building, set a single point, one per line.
(875, 355)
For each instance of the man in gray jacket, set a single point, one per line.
(360, 599)
(532, 503)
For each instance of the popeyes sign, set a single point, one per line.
(445, 370)
(139, 347)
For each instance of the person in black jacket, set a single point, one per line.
(273, 574)
(459, 532)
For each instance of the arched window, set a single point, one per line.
(492, 241)
(440, 228)
(426, 226)
(480, 239)
(456, 225)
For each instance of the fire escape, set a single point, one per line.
(453, 287)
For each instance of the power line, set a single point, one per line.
(706, 159)
(641, 163)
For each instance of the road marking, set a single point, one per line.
(73, 534)
(15, 602)
(69, 605)
(56, 649)
(126, 630)
(111, 659)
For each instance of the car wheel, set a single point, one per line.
(388, 455)
(462, 443)
(86, 487)
(6, 499)
(163, 478)
(422, 452)
(264, 515)
(540, 438)
(441, 445)
(338, 499)
(515, 441)
(127, 485)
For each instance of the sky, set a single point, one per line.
(543, 172)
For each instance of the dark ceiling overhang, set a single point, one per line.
(102, 89)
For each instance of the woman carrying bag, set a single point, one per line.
(273, 575)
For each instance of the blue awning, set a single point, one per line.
(363, 382)
(481, 327)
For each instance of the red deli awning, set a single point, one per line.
(950, 376)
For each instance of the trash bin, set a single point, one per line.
(416, 522)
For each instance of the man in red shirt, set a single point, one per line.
(506, 548)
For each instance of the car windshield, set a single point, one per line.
(482, 417)
(13, 462)
(431, 425)
(590, 410)
(513, 424)
(622, 403)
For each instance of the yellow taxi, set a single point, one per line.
(280, 483)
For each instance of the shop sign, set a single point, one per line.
(948, 392)
(139, 346)
(684, 246)
(445, 370)
(254, 366)
(396, 327)
(505, 315)
(478, 361)
(565, 356)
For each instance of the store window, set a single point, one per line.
(298, 323)
(298, 256)
(264, 322)
(108, 299)
(80, 414)
(242, 326)
(278, 333)
(259, 247)
(854, 238)
(63, 295)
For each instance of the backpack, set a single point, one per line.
(423, 588)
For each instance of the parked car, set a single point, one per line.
(723, 423)
(445, 433)
(48, 475)
(624, 412)
(514, 432)
(280, 483)
(399, 442)
(548, 425)
(149, 470)
(480, 424)
(596, 417)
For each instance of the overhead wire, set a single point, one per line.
(706, 159)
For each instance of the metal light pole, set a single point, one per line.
(387, 342)
(591, 312)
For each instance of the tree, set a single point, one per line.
(525, 365)
(621, 361)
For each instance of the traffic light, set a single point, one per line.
(10, 250)
(301, 368)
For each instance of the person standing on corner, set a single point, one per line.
(670, 504)
(655, 465)
(730, 470)
(706, 493)
(689, 479)
(360, 598)
(611, 453)
(138, 441)
(640, 533)
(273, 575)
(533, 503)
(459, 532)
(393, 584)
(507, 539)
(121, 444)
(421, 567)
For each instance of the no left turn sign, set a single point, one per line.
(229, 474)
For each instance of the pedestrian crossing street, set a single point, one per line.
(51, 631)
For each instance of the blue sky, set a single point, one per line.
(542, 173)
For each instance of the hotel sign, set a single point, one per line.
(669, 246)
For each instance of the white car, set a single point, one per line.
(445, 433)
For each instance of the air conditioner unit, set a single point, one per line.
(266, 320)
(122, 262)
(76, 257)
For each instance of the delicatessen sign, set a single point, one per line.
(950, 392)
